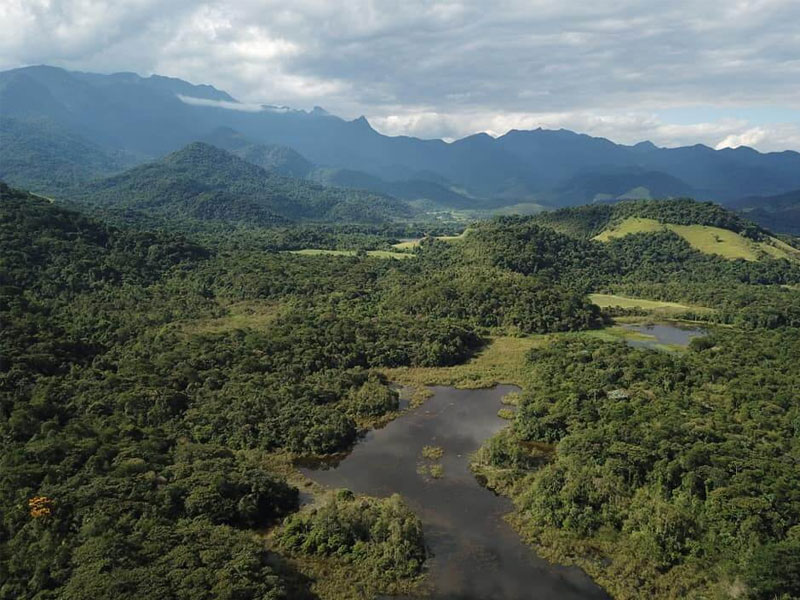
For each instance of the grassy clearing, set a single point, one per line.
(372, 253)
(710, 240)
(713, 240)
(657, 307)
(523, 208)
(407, 244)
(502, 361)
(616, 334)
(779, 249)
(247, 314)
(629, 226)
(411, 244)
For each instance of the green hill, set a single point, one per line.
(203, 182)
(706, 227)
(271, 157)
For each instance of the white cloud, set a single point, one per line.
(751, 137)
(626, 128)
(447, 68)
(220, 104)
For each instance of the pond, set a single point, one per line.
(476, 555)
(662, 334)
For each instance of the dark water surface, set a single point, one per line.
(476, 555)
(664, 333)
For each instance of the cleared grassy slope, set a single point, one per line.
(707, 239)
(372, 253)
(654, 306)
(411, 244)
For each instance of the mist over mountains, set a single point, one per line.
(59, 127)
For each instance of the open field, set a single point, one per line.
(372, 253)
(411, 244)
(252, 314)
(710, 240)
(713, 240)
(629, 226)
(656, 307)
(502, 361)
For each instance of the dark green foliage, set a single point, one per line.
(774, 571)
(205, 183)
(780, 213)
(657, 266)
(148, 441)
(372, 399)
(497, 298)
(690, 458)
(518, 244)
(147, 431)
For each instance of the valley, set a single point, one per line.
(165, 389)
(250, 352)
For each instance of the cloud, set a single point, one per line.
(751, 137)
(226, 104)
(450, 67)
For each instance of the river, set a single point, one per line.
(476, 555)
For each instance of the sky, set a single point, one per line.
(676, 72)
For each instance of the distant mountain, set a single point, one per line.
(286, 161)
(779, 213)
(149, 117)
(203, 182)
(271, 157)
(619, 184)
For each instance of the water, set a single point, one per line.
(663, 334)
(476, 555)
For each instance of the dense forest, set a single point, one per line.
(137, 413)
(157, 385)
(680, 469)
(202, 182)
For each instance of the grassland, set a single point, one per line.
(656, 307)
(411, 244)
(629, 226)
(710, 240)
(372, 253)
(252, 314)
(502, 361)
(713, 240)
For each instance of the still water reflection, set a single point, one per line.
(476, 555)
(663, 334)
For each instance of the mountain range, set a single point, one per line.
(60, 127)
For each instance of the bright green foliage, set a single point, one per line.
(383, 536)
(372, 399)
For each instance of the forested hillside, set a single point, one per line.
(665, 475)
(148, 382)
(202, 182)
(157, 388)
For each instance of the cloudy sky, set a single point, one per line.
(719, 72)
